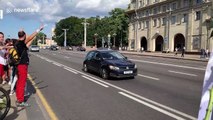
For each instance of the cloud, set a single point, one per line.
(54, 10)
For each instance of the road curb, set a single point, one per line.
(192, 59)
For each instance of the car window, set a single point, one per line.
(90, 55)
(97, 55)
(112, 55)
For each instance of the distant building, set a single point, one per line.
(161, 25)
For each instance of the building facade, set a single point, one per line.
(163, 25)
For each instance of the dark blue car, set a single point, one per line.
(109, 63)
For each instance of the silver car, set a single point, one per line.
(34, 48)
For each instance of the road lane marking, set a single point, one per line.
(136, 95)
(153, 78)
(152, 106)
(48, 60)
(66, 57)
(70, 70)
(95, 81)
(57, 64)
(54, 54)
(46, 105)
(172, 65)
(189, 74)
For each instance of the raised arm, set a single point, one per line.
(29, 39)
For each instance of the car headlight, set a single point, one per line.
(113, 67)
(135, 66)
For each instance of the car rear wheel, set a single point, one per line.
(85, 68)
(104, 73)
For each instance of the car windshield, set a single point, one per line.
(112, 55)
(34, 46)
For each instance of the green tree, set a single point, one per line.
(40, 37)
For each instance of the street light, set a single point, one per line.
(114, 35)
(96, 34)
(109, 36)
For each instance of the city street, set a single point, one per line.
(164, 89)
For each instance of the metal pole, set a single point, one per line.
(114, 42)
(85, 32)
(65, 37)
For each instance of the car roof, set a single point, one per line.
(103, 50)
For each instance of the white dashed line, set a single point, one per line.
(189, 74)
(153, 78)
(90, 79)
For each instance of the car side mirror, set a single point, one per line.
(97, 58)
(125, 57)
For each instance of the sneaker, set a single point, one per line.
(9, 83)
(22, 104)
(12, 92)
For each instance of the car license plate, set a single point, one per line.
(128, 72)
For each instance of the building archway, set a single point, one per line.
(179, 41)
(144, 43)
(159, 43)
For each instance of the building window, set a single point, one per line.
(154, 22)
(168, 7)
(197, 15)
(158, 22)
(198, 1)
(147, 24)
(173, 20)
(174, 6)
(164, 21)
(155, 11)
(147, 13)
(142, 25)
(185, 3)
(196, 42)
(164, 8)
(185, 18)
(154, 1)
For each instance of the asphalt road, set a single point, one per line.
(164, 89)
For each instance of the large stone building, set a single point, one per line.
(163, 25)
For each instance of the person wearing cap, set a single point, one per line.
(22, 45)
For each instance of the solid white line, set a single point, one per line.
(48, 60)
(138, 96)
(152, 106)
(148, 77)
(54, 54)
(95, 81)
(182, 73)
(172, 65)
(70, 70)
(57, 64)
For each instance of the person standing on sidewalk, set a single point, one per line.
(22, 46)
(176, 51)
(183, 52)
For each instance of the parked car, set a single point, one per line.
(53, 47)
(69, 48)
(80, 48)
(34, 48)
(109, 63)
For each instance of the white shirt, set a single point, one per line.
(2, 57)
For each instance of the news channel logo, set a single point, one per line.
(1, 14)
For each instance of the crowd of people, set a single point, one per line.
(16, 75)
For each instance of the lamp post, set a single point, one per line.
(114, 35)
(96, 34)
(109, 36)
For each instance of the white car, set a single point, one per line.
(34, 48)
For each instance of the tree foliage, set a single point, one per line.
(116, 22)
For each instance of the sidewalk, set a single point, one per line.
(167, 55)
(34, 112)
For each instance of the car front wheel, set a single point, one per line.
(104, 73)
